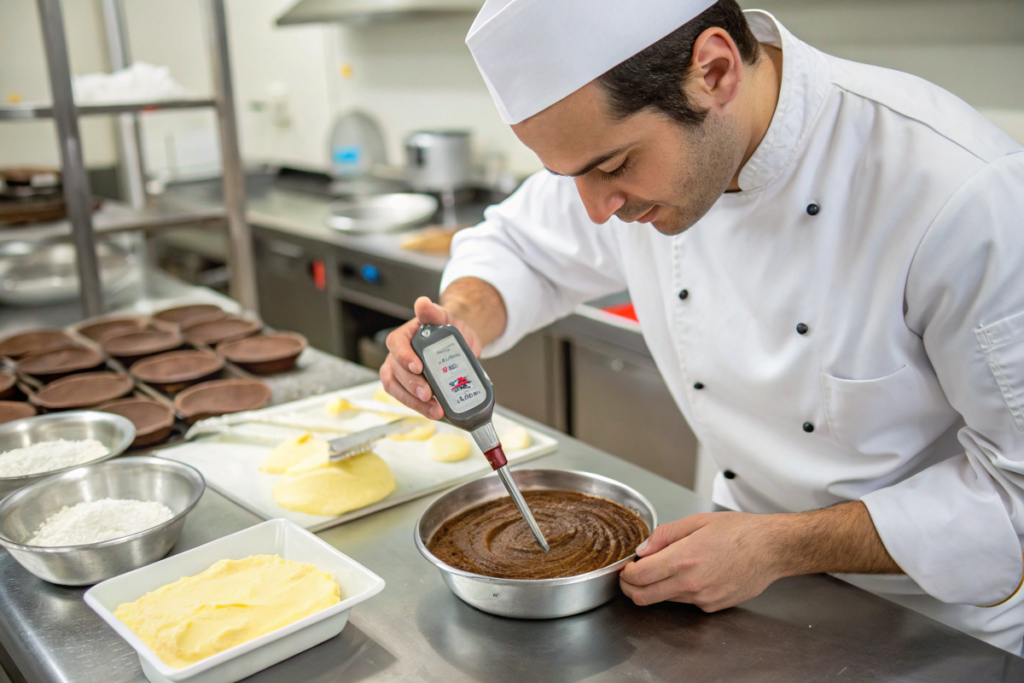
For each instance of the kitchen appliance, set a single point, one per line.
(438, 161)
(357, 145)
(466, 395)
(530, 598)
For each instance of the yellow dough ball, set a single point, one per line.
(338, 405)
(292, 451)
(420, 432)
(448, 448)
(515, 438)
(333, 489)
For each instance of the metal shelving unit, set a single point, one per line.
(27, 111)
(82, 224)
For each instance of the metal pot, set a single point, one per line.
(530, 599)
(438, 161)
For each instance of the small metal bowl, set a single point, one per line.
(176, 485)
(525, 598)
(113, 431)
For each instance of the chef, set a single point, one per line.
(827, 262)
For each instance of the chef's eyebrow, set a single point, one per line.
(592, 165)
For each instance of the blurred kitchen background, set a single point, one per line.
(329, 95)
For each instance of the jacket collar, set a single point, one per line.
(806, 74)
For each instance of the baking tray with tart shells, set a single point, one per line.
(154, 371)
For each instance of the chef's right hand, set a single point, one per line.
(402, 372)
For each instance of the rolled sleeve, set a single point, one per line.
(542, 253)
(956, 527)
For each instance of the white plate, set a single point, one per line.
(276, 537)
(230, 463)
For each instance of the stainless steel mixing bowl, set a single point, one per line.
(113, 431)
(531, 599)
(174, 484)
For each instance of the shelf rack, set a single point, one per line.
(30, 111)
(82, 224)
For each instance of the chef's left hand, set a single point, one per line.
(714, 561)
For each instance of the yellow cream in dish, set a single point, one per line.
(230, 603)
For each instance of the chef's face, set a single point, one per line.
(646, 167)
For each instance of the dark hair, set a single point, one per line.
(656, 76)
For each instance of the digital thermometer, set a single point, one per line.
(466, 395)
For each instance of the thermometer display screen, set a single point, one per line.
(454, 375)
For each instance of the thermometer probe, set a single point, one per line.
(466, 395)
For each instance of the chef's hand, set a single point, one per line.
(402, 372)
(720, 559)
(714, 560)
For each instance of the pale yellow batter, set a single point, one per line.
(292, 451)
(420, 432)
(448, 448)
(317, 486)
(230, 603)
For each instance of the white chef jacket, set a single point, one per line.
(885, 215)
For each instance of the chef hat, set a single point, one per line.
(533, 53)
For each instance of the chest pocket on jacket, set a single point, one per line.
(899, 414)
(1003, 345)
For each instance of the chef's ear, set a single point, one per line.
(716, 70)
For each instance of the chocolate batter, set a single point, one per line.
(585, 533)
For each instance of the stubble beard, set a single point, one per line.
(700, 179)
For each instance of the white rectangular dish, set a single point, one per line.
(276, 537)
(230, 463)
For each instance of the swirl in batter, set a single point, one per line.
(585, 533)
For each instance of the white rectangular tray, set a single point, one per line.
(230, 463)
(276, 537)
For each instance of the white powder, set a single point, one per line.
(49, 455)
(99, 520)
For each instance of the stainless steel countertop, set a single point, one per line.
(805, 628)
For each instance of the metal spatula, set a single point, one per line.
(360, 442)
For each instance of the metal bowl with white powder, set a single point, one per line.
(37, 447)
(123, 483)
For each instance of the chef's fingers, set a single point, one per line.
(399, 343)
(391, 384)
(418, 387)
(667, 534)
(429, 313)
(676, 560)
(661, 591)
